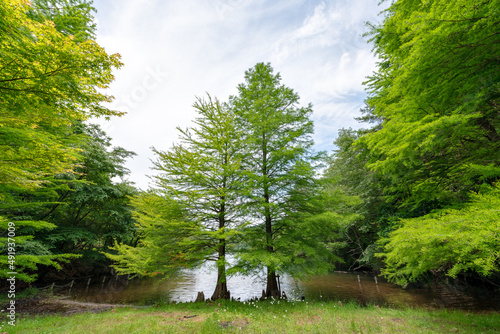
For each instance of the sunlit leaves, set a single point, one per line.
(52, 76)
(448, 241)
(279, 176)
(168, 241)
(437, 92)
(26, 253)
(193, 215)
(47, 81)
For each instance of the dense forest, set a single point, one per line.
(413, 195)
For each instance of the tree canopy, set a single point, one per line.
(279, 174)
(48, 80)
(52, 79)
(202, 175)
(437, 93)
(448, 241)
(436, 96)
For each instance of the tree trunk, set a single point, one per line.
(221, 291)
(272, 289)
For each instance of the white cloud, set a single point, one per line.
(197, 46)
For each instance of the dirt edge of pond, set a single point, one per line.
(40, 306)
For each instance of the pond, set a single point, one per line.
(363, 288)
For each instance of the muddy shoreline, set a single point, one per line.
(62, 306)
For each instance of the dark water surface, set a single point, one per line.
(335, 286)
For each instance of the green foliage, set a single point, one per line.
(434, 100)
(20, 254)
(437, 92)
(47, 82)
(86, 209)
(279, 178)
(193, 215)
(448, 241)
(94, 210)
(315, 232)
(71, 17)
(52, 78)
(361, 192)
(167, 243)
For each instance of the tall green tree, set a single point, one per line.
(78, 213)
(48, 80)
(278, 170)
(94, 210)
(51, 78)
(202, 175)
(437, 92)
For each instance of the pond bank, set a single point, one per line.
(57, 305)
(256, 317)
(361, 288)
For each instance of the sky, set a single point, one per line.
(176, 50)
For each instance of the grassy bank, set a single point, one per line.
(260, 317)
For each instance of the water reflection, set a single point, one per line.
(336, 286)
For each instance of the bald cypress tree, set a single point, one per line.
(279, 177)
(202, 173)
(436, 93)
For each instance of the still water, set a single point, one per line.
(335, 286)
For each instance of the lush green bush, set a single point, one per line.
(448, 241)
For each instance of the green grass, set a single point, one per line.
(261, 317)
